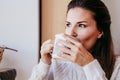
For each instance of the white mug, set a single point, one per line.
(55, 50)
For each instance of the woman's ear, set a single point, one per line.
(100, 34)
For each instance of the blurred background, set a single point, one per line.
(19, 29)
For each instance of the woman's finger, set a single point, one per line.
(65, 43)
(64, 50)
(71, 39)
(47, 48)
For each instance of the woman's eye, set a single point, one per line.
(82, 25)
(67, 25)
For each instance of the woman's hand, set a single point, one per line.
(46, 51)
(77, 53)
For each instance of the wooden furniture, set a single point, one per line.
(6, 73)
(1, 53)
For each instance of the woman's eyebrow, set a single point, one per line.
(82, 22)
(67, 21)
(77, 22)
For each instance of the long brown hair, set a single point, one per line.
(103, 50)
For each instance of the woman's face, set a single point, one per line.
(81, 25)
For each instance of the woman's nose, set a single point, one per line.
(72, 32)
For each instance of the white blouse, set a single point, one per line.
(61, 70)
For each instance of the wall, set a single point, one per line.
(53, 17)
(19, 30)
(113, 6)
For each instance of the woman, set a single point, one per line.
(89, 43)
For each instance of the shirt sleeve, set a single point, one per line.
(116, 72)
(93, 71)
(40, 71)
(118, 75)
